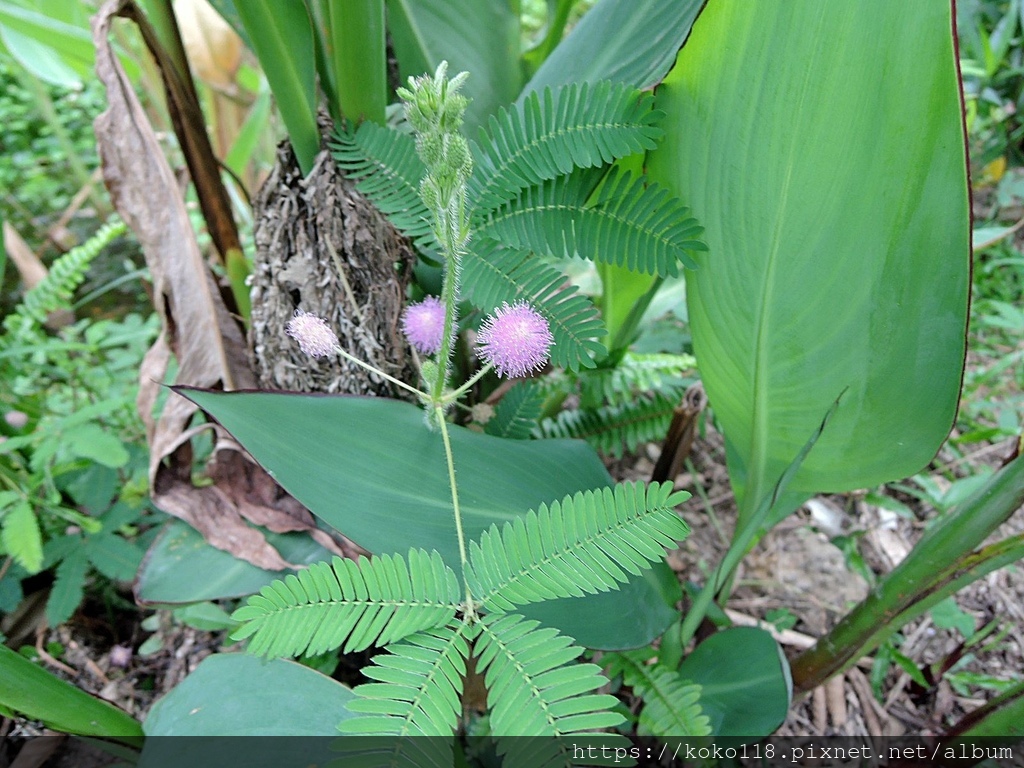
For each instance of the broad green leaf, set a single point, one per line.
(234, 694)
(373, 470)
(181, 567)
(628, 41)
(821, 145)
(39, 59)
(557, 16)
(1002, 718)
(32, 691)
(477, 36)
(51, 49)
(282, 38)
(744, 679)
(358, 58)
(642, 608)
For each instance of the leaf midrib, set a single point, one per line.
(565, 553)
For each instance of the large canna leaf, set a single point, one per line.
(822, 147)
(372, 469)
(282, 37)
(477, 36)
(627, 41)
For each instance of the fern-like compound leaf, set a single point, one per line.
(533, 688)
(626, 222)
(517, 413)
(370, 602)
(578, 126)
(636, 375)
(492, 275)
(671, 704)
(616, 428)
(55, 290)
(388, 171)
(418, 686)
(585, 543)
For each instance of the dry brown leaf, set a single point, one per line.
(197, 329)
(214, 49)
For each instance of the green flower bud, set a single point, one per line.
(429, 371)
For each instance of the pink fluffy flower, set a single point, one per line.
(516, 340)
(313, 334)
(423, 325)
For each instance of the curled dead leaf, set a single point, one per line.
(198, 330)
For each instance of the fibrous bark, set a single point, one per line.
(321, 247)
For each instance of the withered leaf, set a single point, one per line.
(197, 329)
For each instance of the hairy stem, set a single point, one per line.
(452, 243)
(443, 426)
(380, 373)
(456, 394)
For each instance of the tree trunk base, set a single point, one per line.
(322, 248)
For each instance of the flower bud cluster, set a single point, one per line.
(434, 108)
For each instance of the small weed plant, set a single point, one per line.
(72, 475)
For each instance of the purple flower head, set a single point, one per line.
(515, 340)
(423, 325)
(314, 335)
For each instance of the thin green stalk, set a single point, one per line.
(380, 373)
(746, 532)
(557, 19)
(450, 300)
(627, 332)
(453, 231)
(456, 394)
(443, 425)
